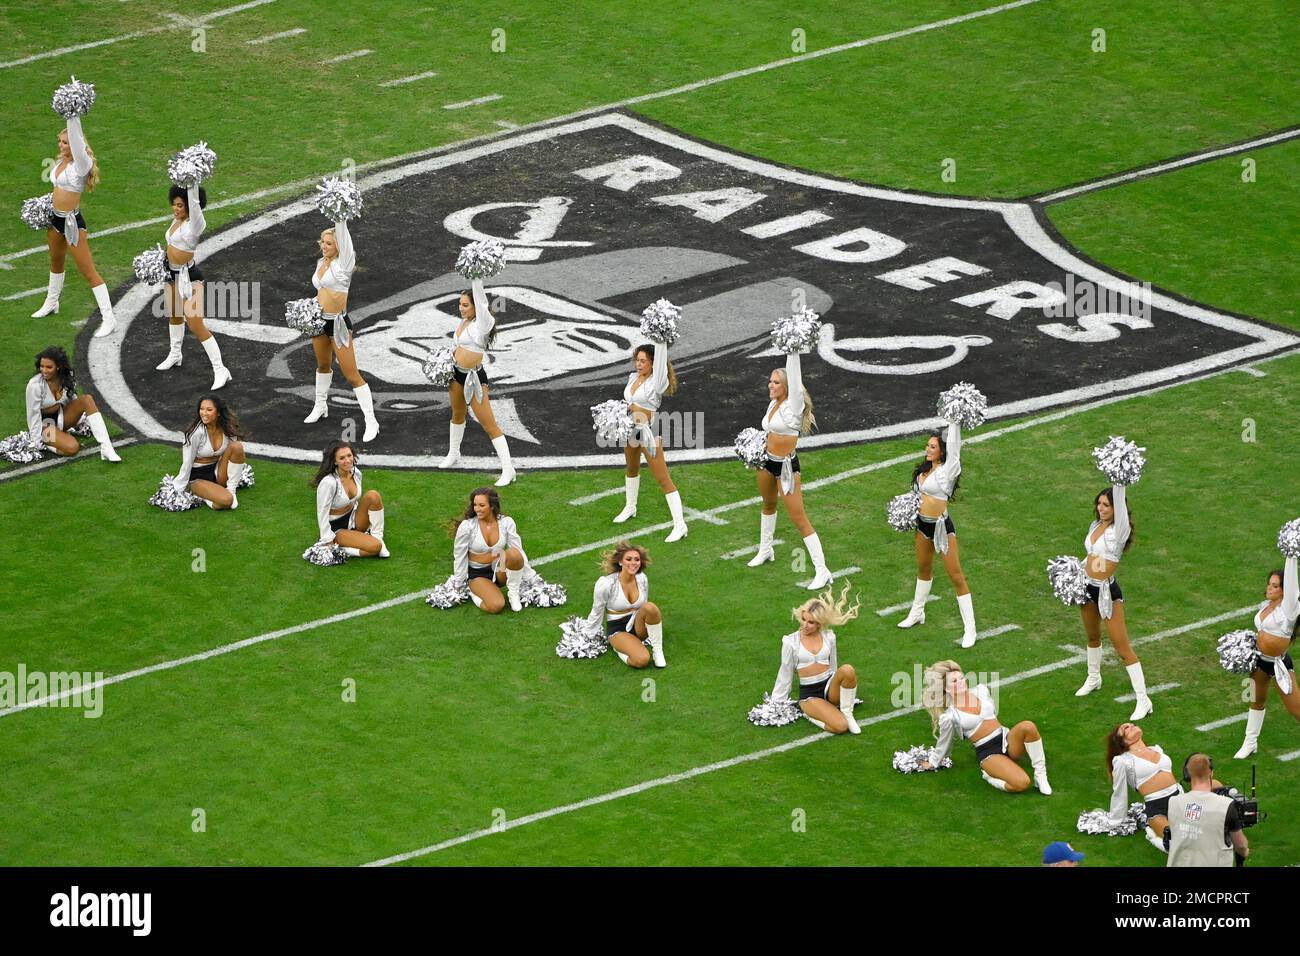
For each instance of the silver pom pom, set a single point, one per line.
(1097, 822)
(151, 266)
(964, 405)
(73, 99)
(1237, 652)
(22, 448)
(246, 480)
(36, 212)
(325, 555)
(81, 429)
(338, 200)
(482, 259)
(909, 760)
(659, 322)
(581, 639)
(191, 166)
(169, 499)
(796, 332)
(1121, 461)
(305, 316)
(448, 594)
(1288, 539)
(1068, 579)
(774, 713)
(439, 365)
(751, 447)
(534, 591)
(902, 511)
(612, 421)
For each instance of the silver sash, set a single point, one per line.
(940, 537)
(71, 231)
(646, 436)
(1105, 606)
(342, 334)
(184, 288)
(787, 473)
(473, 387)
(1280, 673)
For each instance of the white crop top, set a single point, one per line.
(1282, 619)
(608, 598)
(789, 413)
(650, 393)
(795, 656)
(469, 537)
(475, 335)
(939, 482)
(185, 237)
(954, 721)
(1129, 770)
(40, 396)
(331, 494)
(197, 445)
(74, 175)
(338, 277)
(1110, 545)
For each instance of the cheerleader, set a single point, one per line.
(651, 379)
(620, 600)
(212, 455)
(332, 277)
(53, 406)
(1149, 771)
(345, 515)
(1276, 622)
(789, 415)
(74, 172)
(185, 287)
(488, 552)
(936, 479)
(1109, 536)
(958, 710)
(827, 689)
(469, 386)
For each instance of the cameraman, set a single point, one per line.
(1205, 828)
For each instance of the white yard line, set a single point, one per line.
(477, 101)
(403, 80)
(703, 516)
(343, 57)
(991, 632)
(25, 293)
(1224, 722)
(751, 549)
(1131, 697)
(905, 606)
(272, 37)
(51, 462)
(588, 499)
(1289, 756)
(852, 569)
(1252, 371)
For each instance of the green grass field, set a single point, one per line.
(461, 720)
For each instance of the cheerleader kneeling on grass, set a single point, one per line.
(620, 597)
(827, 688)
(345, 515)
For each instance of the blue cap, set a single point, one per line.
(1059, 852)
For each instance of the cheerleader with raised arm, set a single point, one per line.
(74, 172)
(620, 600)
(345, 514)
(1149, 771)
(827, 688)
(54, 407)
(212, 455)
(957, 710)
(488, 553)
(1276, 624)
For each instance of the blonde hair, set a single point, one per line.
(828, 611)
(612, 560)
(809, 420)
(92, 180)
(328, 232)
(934, 691)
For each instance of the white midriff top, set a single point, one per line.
(331, 495)
(185, 236)
(650, 393)
(475, 335)
(40, 396)
(338, 277)
(1110, 546)
(469, 538)
(197, 444)
(795, 657)
(609, 599)
(73, 176)
(954, 721)
(1281, 621)
(1130, 770)
(940, 481)
(789, 413)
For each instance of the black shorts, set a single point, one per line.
(460, 376)
(617, 624)
(196, 274)
(773, 468)
(325, 333)
(1267, 666)
(926, 525)
(1094, 592)
(483, 572)
(207, 472)
(57, 220)
(342, 522)
(820, 690)
(1159, 807)
(997, 746)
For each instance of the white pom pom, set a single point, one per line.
(439, 365)
(1097, 822)
(448, 594)
(73, 99)
(612, 421)
(1068, 579)
(305, 316)
(774, 713)
(192, 165)
(1121, 461)
(581, 639)
(902, 511)
(169, 499)
(909, 760)
(1237, 652)
(751, 447)
(534, 591)
(1288, 539)
(151, 266)
(338, 200)
(659, 322)
(797, 332)
(246, 479)
(482, 259)
(325, 555)
(36, 212)
(964, 405)
(22, 448)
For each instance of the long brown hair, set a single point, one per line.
(612, 560)
(227, 420)
(924, 466)
(494, 503)
(1114, 747)
(1110, 496)
(649, 351)
(492, 336)
(327, 460)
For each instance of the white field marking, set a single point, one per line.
(271, 37)
(836, 575)
(1224, 722)
(1078, 649)
(752, 549)
(779, 227)
(905, 606)
(176, 23)
(311, 181)
(991, 632)
(1252, 371)
(1131, 697)
(734, 761)
(474, 102)
(51, 462)
(402, 80)
(1289, 756)
(703, 516)
(348, 56)
(506, 124)
(588, 499)
(1172, 164)
(25, 293)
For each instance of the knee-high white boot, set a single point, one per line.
(767, 529)
(100, 431)
(994, 782)
(1039, 761)
(1143, 706)
(220, 374)
(507, 469)
(823, 577)
(234, 471)
(1094, 673)
(967, 610)
(321, 409)
(367, 405)
(107, 321)
(1254, 724)
(847, 696)
(52, 292)
(377, 530)
(631, 487)
(655, 634)
(674, 500)
(453, 446)
(1155, 841)
(513, 580)
(917, 614)
(175, 337)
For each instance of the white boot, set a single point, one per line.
(100, 431)
(377, 530)
(513, 579)
(1155, 841)
(367, 406)
(967, 619)
(917, 614)
(507, 469)
(322, 407)
(1254, 724)
(234, 470)
(814, 546)
(478, 601)
(631, 487)
(674, 500)
(767, 529)
(1035, 750)
(175, 336)
(1094, 673)
(655, 634)
(52, 292)
(220, 374)
(816, 723)
(453, 447)
(1135, 675)
(847, 696)
(352, 552)
(107, 321)
(994, 782)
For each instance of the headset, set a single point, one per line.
(1187, 777)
